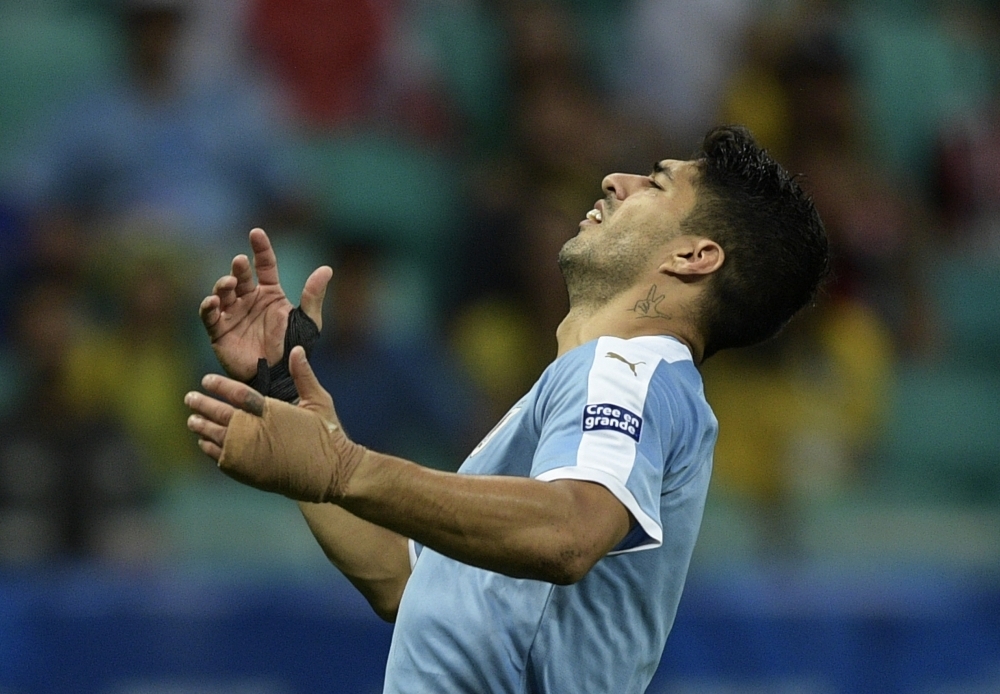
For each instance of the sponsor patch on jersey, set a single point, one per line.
(613, 418)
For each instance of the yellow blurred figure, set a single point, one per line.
(795, 413)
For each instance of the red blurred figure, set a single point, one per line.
(327, 52)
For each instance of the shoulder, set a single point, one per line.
(610, 365)
(613, 369)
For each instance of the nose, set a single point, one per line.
(621, 185)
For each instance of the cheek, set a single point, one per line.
(640, 217)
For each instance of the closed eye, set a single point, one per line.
(659, 168)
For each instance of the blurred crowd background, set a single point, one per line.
(437, 153)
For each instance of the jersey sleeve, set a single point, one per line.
(604, 421)
(413, 550)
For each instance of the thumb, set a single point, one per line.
(314, 292)
(310, 390)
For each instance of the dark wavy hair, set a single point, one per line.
(776, 251)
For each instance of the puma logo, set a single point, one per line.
(622, 359)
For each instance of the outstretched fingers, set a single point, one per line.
(207, 430)
(243, 274)
(225, 288)
(235, 393)
(211, 416)
(264, 259)
(211, 409)
(210, 420)
(210, 312)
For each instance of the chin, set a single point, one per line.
(573, 245)
(577, 262)
(568, 254)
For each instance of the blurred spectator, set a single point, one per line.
(407, 398)
(444, 77)
(566, 130)
(802, 88)
(385, 139)
(679, 58)
(801, 416)
(157, 156)
(56, 251)
(754, 93)
(428, 69)
(799, 413)
(506, 334)
(968, 178)
(879, 230)
(918, 65)
(326, 52)
(528, 201)
(73, 483)
(136, 367)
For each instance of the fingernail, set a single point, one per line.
(193, 421)
(189, 398)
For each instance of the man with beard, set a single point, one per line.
(553, 561)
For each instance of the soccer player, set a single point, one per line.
(553, 561)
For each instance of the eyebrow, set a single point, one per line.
(659, 168)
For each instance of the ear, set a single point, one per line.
(693, 256)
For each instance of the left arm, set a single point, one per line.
(552, 531)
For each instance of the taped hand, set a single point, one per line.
(299, 451)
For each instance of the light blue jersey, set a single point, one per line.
(630, 415)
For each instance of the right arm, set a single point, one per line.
(375, 560)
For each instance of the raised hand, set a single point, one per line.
(246, 320)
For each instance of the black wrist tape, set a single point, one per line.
(276, 381)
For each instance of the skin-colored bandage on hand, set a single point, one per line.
(291, 451)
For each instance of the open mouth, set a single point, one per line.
(595, 216)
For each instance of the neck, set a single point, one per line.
(634, 313)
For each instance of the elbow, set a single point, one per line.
(589, 522)
(385, 606)
(565, 578)
(569, 555)
(384, 600)
(386, 613)
(569, 566)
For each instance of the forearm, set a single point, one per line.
(374, 559)
(551, 531)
